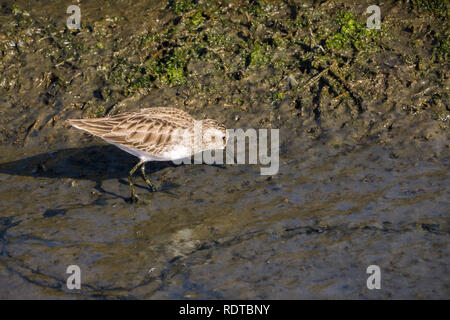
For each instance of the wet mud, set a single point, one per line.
(364, 150)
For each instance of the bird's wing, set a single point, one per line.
(153, 130)
(151, 135)
(98, 126)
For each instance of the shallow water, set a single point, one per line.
(345, 197)
(310, 231)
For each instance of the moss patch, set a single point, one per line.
(351, 34)
(439, 8)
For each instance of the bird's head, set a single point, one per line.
(214, 135)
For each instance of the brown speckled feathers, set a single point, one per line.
(151, 130)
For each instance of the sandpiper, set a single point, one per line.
(156, 134)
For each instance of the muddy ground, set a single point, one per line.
(364, 150)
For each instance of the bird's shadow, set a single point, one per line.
(95, 163)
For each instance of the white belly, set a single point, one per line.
(176, 153)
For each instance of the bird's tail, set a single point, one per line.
(97, 127)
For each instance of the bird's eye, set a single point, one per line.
(224, 139)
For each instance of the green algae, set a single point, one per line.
(443, 47)
(181, 6)
(439, 8)
(351, 34)
(259, 55)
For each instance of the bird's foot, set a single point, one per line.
(137, 200)
(133, 199)
(150, 185)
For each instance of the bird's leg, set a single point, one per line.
(146, 179)
(134, 197)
